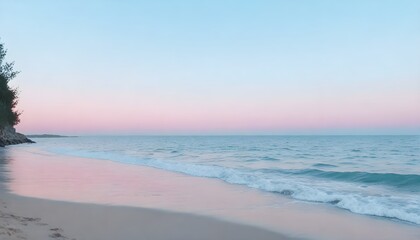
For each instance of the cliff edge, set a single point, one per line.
(9, 136)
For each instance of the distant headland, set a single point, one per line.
(47, 136)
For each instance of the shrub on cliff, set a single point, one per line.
(8, 95)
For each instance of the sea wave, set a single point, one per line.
(410, 182)
(306, 185)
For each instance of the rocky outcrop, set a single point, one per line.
(9, 136)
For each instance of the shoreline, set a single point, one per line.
(25, 217)
(121, 186)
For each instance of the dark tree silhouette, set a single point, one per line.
(8, 95)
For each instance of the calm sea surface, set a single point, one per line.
(372, 175)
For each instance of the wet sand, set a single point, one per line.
(123, 200)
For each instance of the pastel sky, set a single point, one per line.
(215, 67)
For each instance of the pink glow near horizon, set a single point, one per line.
(102, 114)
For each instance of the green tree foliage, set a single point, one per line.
(8, 95)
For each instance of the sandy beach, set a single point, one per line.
(33, 218)
(29, 218)
(48, 196)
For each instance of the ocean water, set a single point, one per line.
(371, 175)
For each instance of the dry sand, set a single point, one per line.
(14, 227)
(37, 219)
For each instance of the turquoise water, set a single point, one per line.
(372, 175)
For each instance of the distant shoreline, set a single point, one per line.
(48, 136)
